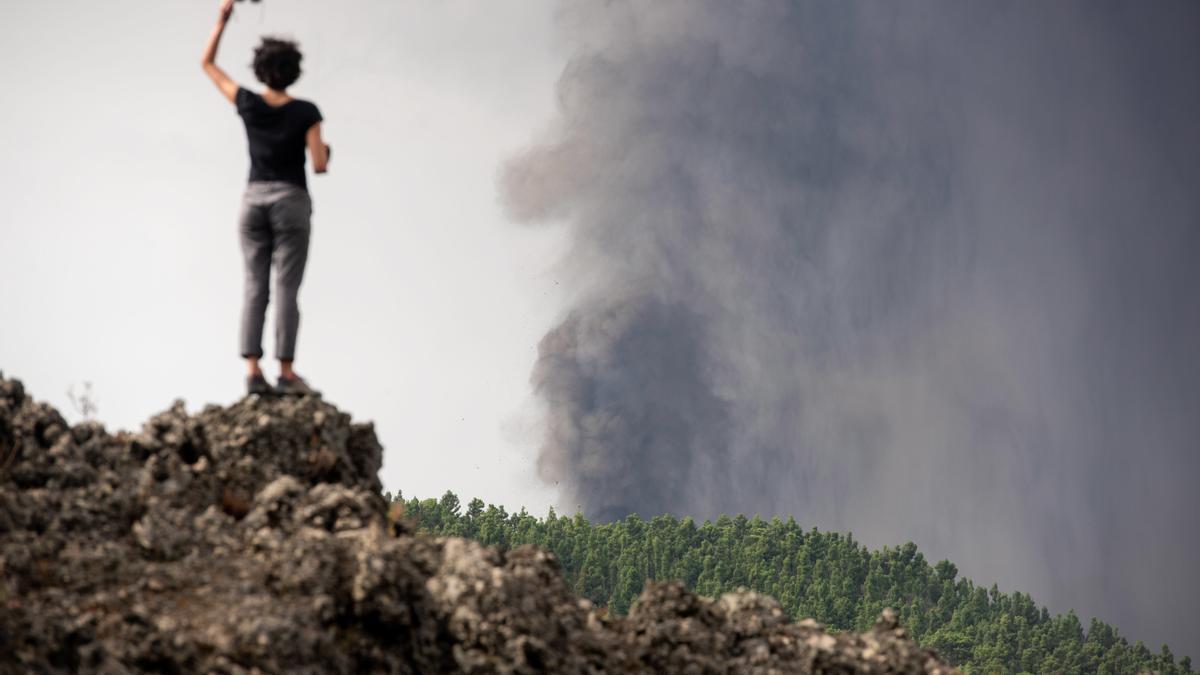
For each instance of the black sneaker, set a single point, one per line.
(295, 387)
(257, 384)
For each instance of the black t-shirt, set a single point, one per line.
(276, 135)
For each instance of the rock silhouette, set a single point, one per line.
(254, 538)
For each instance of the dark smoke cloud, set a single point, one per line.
(920, 271)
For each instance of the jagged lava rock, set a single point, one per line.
(254, 538)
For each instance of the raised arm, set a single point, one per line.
(317, 148)
(227, 86)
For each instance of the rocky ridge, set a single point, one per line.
(253, 538)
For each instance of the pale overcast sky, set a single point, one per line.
(422, 306)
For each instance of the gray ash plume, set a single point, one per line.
(919, 271)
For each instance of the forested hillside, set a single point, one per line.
(824, 575)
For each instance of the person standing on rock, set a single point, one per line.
(275, 223)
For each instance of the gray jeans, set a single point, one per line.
(274, 226)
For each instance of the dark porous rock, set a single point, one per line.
(253, 538)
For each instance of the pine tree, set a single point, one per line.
(827, 576)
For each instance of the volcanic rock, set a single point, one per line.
(253, 538)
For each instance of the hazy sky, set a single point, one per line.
(421, 305)
(955, 249)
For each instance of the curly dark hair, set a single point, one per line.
(277, 63)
